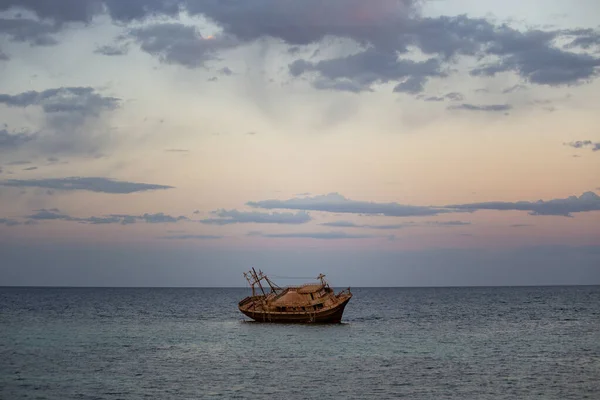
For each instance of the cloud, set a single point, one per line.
(30, 169)
(176, 43)
(19, 162)
(519, 225)
(485, 107)
(49, 215)
(448, 223)
(75, 119)
(9, 222)
(177, 151)
(579, 144)
(348, 224)
(11, 141)
(112, 50)
(318, 235)
(452, 96)
(336, 203)
(545, 65)
(514, 88)
(36, 33)
(123, 219)
(388, 26)
(412, 85)
(91, 184)
(69, 11)
(82, 100)
(382, 30)
(239, 217)
(309, 21)
(161, 218)
(532, 54)
(358, 72)
(584, 38)
(588, 201)
(66, 11)
(4, 56)
(187, 237)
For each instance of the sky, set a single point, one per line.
(382, 143)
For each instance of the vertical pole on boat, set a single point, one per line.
(258, 281)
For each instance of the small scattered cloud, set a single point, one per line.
(19, 162)
(91, 184)
(348, 224)
(588, 201)
(482, 107)
(318, 235)
(580, 144)
(177, 151)
(448, 223)
(239, 217)
(30, 169)
(411, 224)
(189, 237)
(519, 225)
(226, 71)
(48, 215)
(112, 50)
(161, 218)
(514, 88)
(9, 222)
(412, 85)
(452, 96)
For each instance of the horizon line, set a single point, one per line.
(333, 286)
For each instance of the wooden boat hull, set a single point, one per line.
(331, 315)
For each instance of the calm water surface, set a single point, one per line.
(431, 343)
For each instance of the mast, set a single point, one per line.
(258, 280)
(322, 278)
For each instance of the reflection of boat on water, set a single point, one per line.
(314, 302)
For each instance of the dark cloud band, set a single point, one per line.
(90, 184)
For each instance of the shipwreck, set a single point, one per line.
(308, 303)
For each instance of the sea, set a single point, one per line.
(193, 343)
